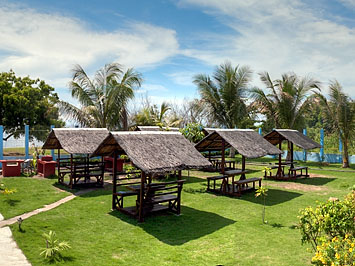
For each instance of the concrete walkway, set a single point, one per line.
(10, 253)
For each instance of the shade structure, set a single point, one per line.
(156, 128)
(154, 152)
(207, 130)
(246, 141)
(75, 140)
(294, 136)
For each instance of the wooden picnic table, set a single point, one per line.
(231, 174)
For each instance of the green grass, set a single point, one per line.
(211, 230)
(30, 194)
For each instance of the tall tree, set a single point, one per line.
(339, 112)
(27, 101)
(225, 94)
(154, 116)
(104, 98)
(287, 101)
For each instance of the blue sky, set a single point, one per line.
(171, 41)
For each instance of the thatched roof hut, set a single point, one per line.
(156, 128)
(246, 141)
(294, 136)
(154, 152)
(76, 140)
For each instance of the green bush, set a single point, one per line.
(330, 228)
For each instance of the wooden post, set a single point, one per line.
(223, 156)
(114, 180)
(71, 171)
(179, 174)
(141, 195)
(243, 168)
(58, 163)
(279, 170)
(291, 155)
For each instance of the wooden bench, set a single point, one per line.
(125, 183)
(244, 182)
(214, 179)
(158, 193)
(292, 172)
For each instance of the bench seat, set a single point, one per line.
(214, 179)
(244, 182)
(292, 172)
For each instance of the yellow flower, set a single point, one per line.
(350, 249)
(352, 245)
(337, 255)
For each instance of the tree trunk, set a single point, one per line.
(288, 156)
(345, 154)
(232, 152)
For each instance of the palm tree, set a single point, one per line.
(153, 116)
(103, 99)
(225, 92)
(287, 101)
(339, 112)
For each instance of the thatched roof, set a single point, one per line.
(294, 136)
(154, 151)
(246, 141)
(207, 130)
(75, 140)
(156, 128)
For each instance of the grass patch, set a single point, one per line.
(30, 194)
(212, 229)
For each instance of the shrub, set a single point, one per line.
(53, 248)
(330, 228)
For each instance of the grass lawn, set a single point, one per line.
(211, 230)
(30, 194)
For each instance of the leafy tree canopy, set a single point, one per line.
(24, 101)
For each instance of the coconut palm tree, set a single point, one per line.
(225, 92)
(154, 116)
(287, 101)
(104, 98)
(339, 112)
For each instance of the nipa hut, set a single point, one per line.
(293, 137)
(152, 153)
(80, 142)
(246, 142)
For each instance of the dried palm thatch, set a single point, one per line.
(156, 128)
(208, 131)
(154, 152)
(246, 141)
(76, 140)
(278, 135)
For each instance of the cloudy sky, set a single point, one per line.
(171, 41)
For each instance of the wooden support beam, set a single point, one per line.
(223, 156)
(141, 200)
(114, 179)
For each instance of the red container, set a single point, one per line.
(47, 158)
(11, 167)
(109, 163)
(46, 167)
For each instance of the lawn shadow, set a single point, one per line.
(12, 202)
(274, 197)
(315, 181)
(176, 230)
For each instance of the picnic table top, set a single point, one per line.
(235, 172)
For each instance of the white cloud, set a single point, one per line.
(348, 3)
(183, 78)
(48, 45)
(279, 36)
(151, 87)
